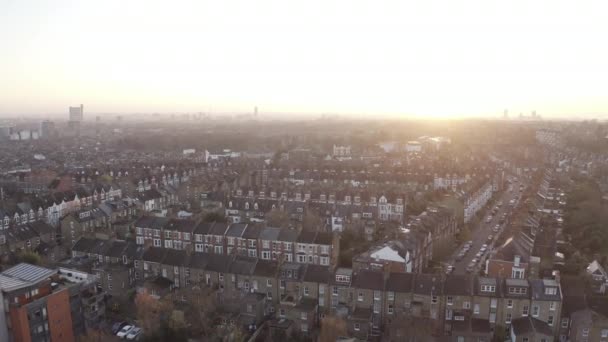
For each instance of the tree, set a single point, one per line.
(331, 328)
(464, 234)
(30, 258)
(200, 308)
(311, 221)
(150, 311)
(277, 218)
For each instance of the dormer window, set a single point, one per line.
(347, 198)
(262, 194)
(250, 193)
(306, 196)
(246, 205)
(323, 197)
(239, 192)
(357, 199)
(488, 288)
(372, 199)
(551, 290)
(273, 194)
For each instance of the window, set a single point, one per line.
(266, 255)
(449, 300)
(221, 277)
(334, 290)
(266, 244)
(525, 339)
(304, 327)
(434, 299)
(604, 333)
(303, 316)
(508, 318)
(510, 303)
(551, 291)
(360, 297)
(390, 309)
(390, 295)
(357, 326)
(377, 295)
(466, 305)
(493, 303)
(488, 288)
(550, 320)
(321, 289)
(476, 309)
(306, 291)
(524, 311)
(564, 323)
(585, 332)
(552, 306)
(535, 311)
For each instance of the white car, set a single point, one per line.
(125, 330)
(134, 333)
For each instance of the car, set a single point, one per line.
(490, 237)
(470, 242)
(489, 219)
(483, 250)
(117, 326)
(124, 331)
(449, 269)
(478, 255)
(484, 246)
(500, 204)
(474, 261)
(134, 333)
(459, 257)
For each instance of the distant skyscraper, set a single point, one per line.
(47, 129)
(77, 113)
(505, 115)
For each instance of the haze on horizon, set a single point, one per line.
(442, 59)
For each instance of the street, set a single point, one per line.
(480, 233)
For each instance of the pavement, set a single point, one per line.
(480, 233)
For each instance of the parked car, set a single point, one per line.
(489, 219)
(117, 326)
(490, 237)
(125, 330)
(134, 334)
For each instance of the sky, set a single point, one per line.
(440, 59)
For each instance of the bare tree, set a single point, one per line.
(331, 328)
(149, 311)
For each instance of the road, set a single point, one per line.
(479, 234)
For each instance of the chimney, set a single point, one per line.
(516, 260)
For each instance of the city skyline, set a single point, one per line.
(402, 59)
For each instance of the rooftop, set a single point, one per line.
(23, 275)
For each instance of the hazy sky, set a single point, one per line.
(439, 58)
